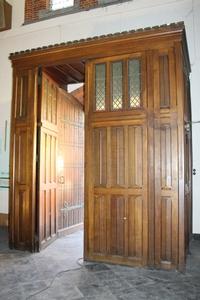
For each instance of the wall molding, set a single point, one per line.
(3, 219)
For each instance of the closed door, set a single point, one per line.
(116, 161)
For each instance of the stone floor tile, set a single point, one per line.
(58, 272)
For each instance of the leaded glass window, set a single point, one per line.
(100, 87)
(134, 80)
(117, 85)
(58, 4)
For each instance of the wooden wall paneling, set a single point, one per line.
(181, 170)
(150, 156)
(166, 165)
(23, 159)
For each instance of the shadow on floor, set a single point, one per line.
(56, 273)
(3, 238)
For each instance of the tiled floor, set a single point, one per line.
(33, 276)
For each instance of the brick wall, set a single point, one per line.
(32, 7)
(88, 3)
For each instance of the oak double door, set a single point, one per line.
(131, 185)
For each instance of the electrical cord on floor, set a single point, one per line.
(59, 273)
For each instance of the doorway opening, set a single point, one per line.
(60, 152)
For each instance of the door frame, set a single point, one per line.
(98, 47)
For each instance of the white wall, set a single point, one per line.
(115, 18)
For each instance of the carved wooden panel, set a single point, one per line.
(117, 156)
(164, 80)
(22, 96)
(166, 229)
(117, 221)
(135, 156)
(100, 224)
(135, 226)
(49, 100)
(100, 156)
(166, 157)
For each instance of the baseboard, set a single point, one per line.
(69, 230)
(3, 219)
(196, 236)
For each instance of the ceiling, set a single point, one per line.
(68, 73)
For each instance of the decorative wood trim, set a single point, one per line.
(115, 44)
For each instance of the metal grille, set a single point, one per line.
(58, 4)
(100, 86)
(117, 88)
(134, 83)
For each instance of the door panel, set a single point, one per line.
(71, 163)
(48, 186)
(60, 187)
(23, 159)
(135, 227)
(100, 224)
(116, 156)
(119, 208)
(117, 225)
(48, 137)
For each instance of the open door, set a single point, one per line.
(60, 162)
(23, 159)
(47, 154)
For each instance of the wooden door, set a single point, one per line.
(70, 159)
(23, 159)
(116, 219)
(60, 162)
(47, 164)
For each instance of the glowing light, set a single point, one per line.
(60, 163)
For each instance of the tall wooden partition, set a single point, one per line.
(23, 159)
(137, 146)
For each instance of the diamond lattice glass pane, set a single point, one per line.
(100, 86)
(58, 4)
(117, 89)
(134, 73)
